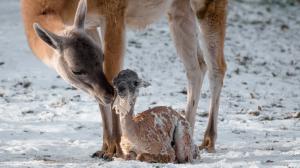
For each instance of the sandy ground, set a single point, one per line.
(46, 123)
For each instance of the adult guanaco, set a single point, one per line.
(61, 43)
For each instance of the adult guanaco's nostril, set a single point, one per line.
(108, 98)
(104, 99)
(103, 89)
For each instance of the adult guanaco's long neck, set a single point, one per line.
(48, 14)
(54, 15)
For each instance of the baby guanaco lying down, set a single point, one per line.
(159, 134)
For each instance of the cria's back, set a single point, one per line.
(162, 131)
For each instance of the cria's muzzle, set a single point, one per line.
(121, 105)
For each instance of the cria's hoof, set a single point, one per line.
(118, 155)
(130, 156)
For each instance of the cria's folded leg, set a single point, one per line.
(183, 142)
(157, 158)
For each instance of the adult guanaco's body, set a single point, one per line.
(60, 42)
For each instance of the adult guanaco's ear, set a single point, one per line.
(80, 14)
(51, 39)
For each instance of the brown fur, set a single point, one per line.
(152, 142)
(158, 134)
(114, 16)
(55, 14)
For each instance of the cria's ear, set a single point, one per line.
(144, 83)
(51, 39)
(80, 14)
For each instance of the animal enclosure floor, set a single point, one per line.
(46, 123)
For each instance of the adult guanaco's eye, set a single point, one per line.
(79, 72)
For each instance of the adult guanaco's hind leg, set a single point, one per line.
(212, 18)
(211, 15)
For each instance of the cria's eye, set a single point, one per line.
(136, 83)
(79, 72)
(121, 88)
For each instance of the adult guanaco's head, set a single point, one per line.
(79, 60)
(127, 85)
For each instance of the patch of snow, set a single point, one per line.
(46, 123)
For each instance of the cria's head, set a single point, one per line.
(126, 86)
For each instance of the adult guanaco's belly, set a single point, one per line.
(140, 13)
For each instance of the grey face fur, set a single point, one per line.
(81, 65)
(126, 86)
(79, 59)
(127, 83)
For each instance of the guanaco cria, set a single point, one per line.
(159, 134)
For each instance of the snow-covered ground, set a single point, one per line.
(46, 123)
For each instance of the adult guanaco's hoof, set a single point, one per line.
(98, 154)
(103, 155)
(209, 149)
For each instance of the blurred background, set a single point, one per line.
(45, 122)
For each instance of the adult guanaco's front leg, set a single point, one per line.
(114, 42)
